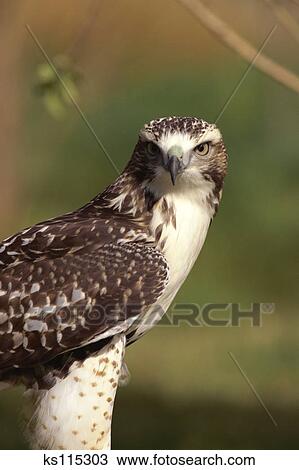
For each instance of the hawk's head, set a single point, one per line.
(174, 153)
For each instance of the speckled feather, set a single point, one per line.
(50, 306)
(76, 412)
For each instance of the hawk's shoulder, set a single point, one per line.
(67, 234)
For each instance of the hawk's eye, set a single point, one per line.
(152, 149)
(202, 149)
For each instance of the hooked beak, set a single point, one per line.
(173, 168)
(174, 164)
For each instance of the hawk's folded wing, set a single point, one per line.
(52, 304)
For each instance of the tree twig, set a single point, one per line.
(286, 19)
(240, 45)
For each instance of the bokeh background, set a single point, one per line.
(131, 61)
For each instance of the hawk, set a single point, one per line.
(77, 289)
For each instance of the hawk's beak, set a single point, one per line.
(174, 154)
(173, 168)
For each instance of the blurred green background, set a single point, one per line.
(136, 61)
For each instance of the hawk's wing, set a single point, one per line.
(69, 233)
(52, 301)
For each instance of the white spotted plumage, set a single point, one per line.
(82, 420)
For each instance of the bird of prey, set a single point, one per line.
(77, 289)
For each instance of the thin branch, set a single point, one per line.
(240, 45)
(286, 19)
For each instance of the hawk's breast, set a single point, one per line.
(180, 223)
